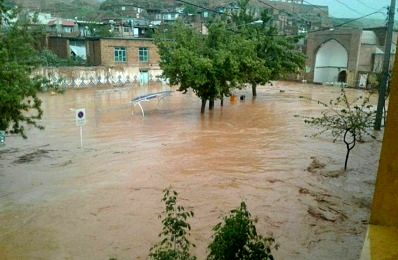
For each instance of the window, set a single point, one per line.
(143, 54)
(120, 54)
(126, 29)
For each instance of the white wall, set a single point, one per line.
(330, 57)
(76, 77)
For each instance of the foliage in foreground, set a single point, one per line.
(234, 238)
(174, 244)
(20, 104)
(349, 120)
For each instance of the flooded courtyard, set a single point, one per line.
(60, 201)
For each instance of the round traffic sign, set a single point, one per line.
(80, 114)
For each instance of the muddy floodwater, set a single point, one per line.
(60, 201)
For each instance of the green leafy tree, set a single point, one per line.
(349, 120)
(273, 57)
(20, 105)
(101, 31)
(207, 64)
(50, 59)
(236, 238)
(174, 244)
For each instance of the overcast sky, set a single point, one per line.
(353, 8)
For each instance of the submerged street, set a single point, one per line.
(60, 201)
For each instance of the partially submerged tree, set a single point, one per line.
(349, 120)
(233, 52)
(174, 243)
(207, 64)
(274, 55)
(236, 238)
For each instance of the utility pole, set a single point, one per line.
(386, 66)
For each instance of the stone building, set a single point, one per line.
(345, 56)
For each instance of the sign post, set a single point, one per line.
(80, 117)
(2, 137)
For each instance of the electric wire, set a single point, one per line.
(288, 35)
(347, 22)
(348, 7)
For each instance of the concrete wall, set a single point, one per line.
(366, 57)
(79, 77)
(385, 200)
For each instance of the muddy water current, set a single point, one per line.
(60, 201)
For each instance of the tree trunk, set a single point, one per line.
(222, 100)
(349, 145)
(254, 89)
(202, 109)
(211, 104)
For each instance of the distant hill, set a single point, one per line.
(363, 23)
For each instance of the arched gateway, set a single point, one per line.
(331, 63)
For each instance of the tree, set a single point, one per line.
(349, 120)
(274, 56)
(236, 238)
(174, 244)
(20, 105)
(207, 64)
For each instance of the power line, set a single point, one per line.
(285, 35)
(347, 22)
(281, 10)
(316, 6)
(348, 7)
(202, 7)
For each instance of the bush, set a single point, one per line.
(50, 59)
(346, 119)
(174, 244)
(236, 238)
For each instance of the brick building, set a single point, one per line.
(122, 52)
(139, 54)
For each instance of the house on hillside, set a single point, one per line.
(293, 17)
(63, 27)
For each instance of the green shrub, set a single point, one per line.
(49, 59)
(236, 238)
(174, 244)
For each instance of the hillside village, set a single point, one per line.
(121, 35)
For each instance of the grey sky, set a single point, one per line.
(353, 8)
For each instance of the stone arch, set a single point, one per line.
(330, 58)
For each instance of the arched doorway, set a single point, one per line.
(331, 60)
(342, 77)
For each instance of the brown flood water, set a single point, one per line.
(58, 201)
